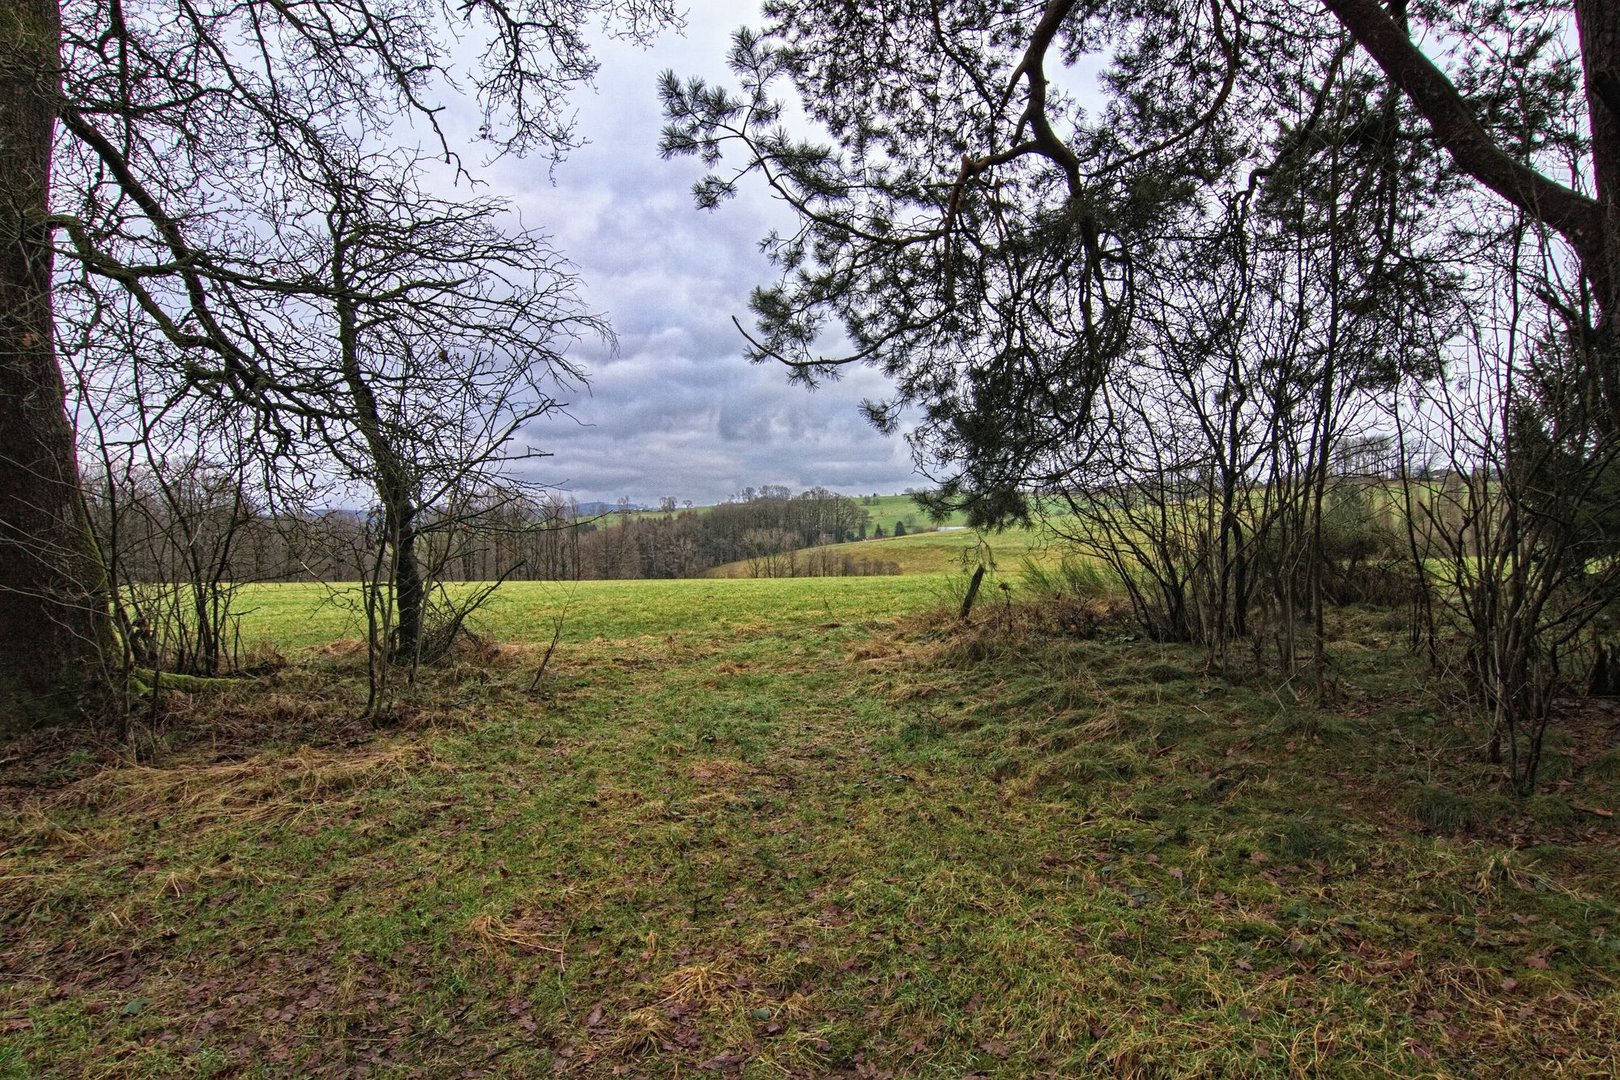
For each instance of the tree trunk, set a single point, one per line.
(408, 587)
(1598, 22)
(390, 472)
(55, 631)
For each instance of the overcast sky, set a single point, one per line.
(677, 410)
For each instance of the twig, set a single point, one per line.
(556, 636)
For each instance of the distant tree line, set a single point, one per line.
(207, 527)
(762, 528)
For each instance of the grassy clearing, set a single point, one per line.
(805, 828)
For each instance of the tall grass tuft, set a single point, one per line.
(1438, 808)
(1072, 579)
(1606, 766)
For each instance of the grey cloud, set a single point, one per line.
(676, 409)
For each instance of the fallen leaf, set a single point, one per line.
(996, 1049)
(726, 1062)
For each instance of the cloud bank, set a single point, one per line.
(676, 409)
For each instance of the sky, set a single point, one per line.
(676, 409)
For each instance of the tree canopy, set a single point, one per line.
(998, 235)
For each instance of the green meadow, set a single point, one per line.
(300, 617)
(939, 551)
(802, 828)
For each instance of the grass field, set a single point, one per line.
(888, 509)
(291, 617)
(941, 552)
(803, 828)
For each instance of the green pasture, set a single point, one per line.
(803, 828)
(945, 551)
(886, 510)
(291, 617)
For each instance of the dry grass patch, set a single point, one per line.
(640, 1031)
(705, 985)
(494, 930)
(716, 770)
(267, 787)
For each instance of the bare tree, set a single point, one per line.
(176, 122)
(1516, 523)
(447, 334)
(177, 536)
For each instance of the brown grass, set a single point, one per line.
(497, 931)
(267, 787)
(716, 770)
(706, 985)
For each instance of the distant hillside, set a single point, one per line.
(886, 510)
(598, 508)
(931, 552)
